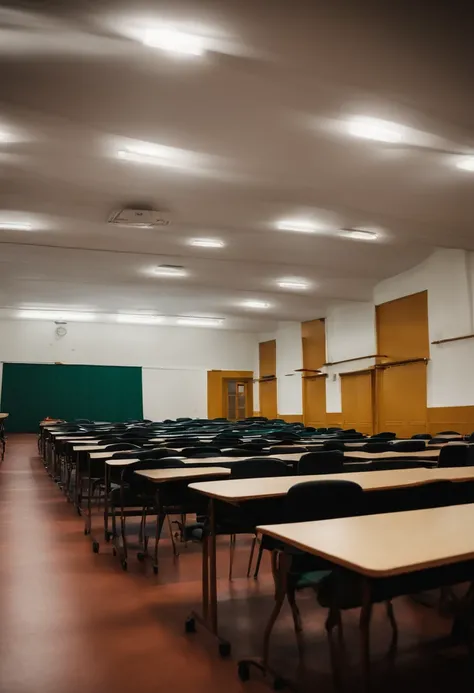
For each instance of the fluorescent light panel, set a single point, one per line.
(299, 226)
(54, 315)
(207, 243)
(360, 234)
(14, 226)
(255, 304)
(173, 41)
(375, 129)
(169, 272)
(466, 163)
(140, 319)
(289, 284)
(201, 322)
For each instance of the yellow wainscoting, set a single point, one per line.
(334, 419)
(450, 419)
(291, 418)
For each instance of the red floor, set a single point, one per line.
(72, 621)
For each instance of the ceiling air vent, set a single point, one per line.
(140, 218)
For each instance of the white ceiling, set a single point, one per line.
(260, 118)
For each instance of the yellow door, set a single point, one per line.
(314, 401)
(401, 399)
(268, 398)
(357, 401)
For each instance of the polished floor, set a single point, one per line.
(73, 621)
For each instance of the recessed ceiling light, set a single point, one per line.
(201, 322)
(139, 319)
(207, 243)
(466, 163)
(56, 315)
(170, 271)
(174, 41)
(289, 284)
(360, 234)
(375, 129)
(14, 226)
(255, 304)
(154, 154)
(300, 226)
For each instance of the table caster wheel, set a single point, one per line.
(114, 551)
(95, 546)
(155, 569)
(224, 649)
(124, 565)
(141, 556)
(107, 536)
(86, 531)
(243, 671)
(190, 625)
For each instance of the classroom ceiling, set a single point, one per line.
(258, 131)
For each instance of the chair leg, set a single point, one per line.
(259, 559)
(295, 612)
(279, 571)
(393, 623)
(231, 554)
(364, 625)
(173, 542)
(160, 518)
(252, 551)
(334, 620)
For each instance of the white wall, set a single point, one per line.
(448, 277)
(175, 359)
(350, 333)
(289, 353)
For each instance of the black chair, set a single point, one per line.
(432, 494)
(240, 452)
(422, 436)
(454, 456)
(384, 435)
(408, 445)
(307, 501)
(334, 445)
(284, 450)
(137, 492)
(382, 465)
(201, 451)
(330, 462)
(447, 433)
(258, 467)
(377, 447)
(121, 446)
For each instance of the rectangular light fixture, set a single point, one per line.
(173, 41)
(139, 319)
(255, 304)
(169, 271)
(466, 163)
(14, 226)
(375, 129)
(288, 284)
(297, 225)
(56, 315)
(207, 243)
(360, 234)
(155, 154)
(199, 322)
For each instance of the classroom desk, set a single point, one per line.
(421, 455)
(161, 476)
(236, 491)
(376, 547)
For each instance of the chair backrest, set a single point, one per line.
(408, 445)
(259, 467)
(326, 462)
(322, 500)
(283, 450)
(422, 436)
(385, 435)
(380, 465)
(121, 446)
(433, 494)
(447, 433)
(156, 453)
(334, 445)
(454, 456)
(377, 447)
(239, 452)
(202, 451)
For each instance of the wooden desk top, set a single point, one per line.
(86, 440)
(105, 454)
(4, 416)
(388, 544)
(88, 448)
(421, 454)
(159, 476)
(237, 490)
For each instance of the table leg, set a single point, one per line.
(106, 502)
(364, 625)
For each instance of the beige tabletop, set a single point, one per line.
(377, 545)
(290, 457)
(106, 454)
(159, 476)
(421, 454)
(236, 490)
(120, 462)
(85, 439)
(89, 448)
(4, 416)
